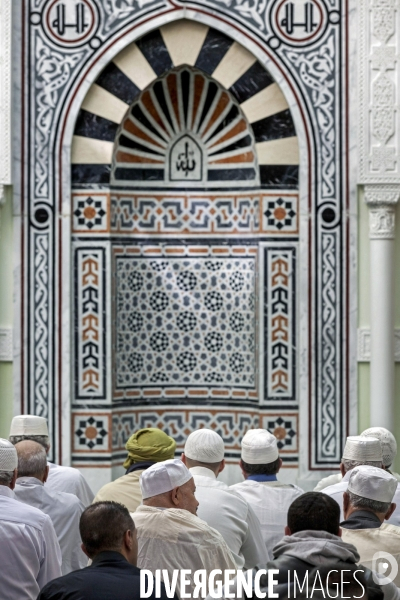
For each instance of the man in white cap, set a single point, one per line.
(388, 444)
(30, 554)
(269, 498)
(389, 452)
(170, 535)
(366, 505)
(360, 450)
(60, 479)
(223, 509)
(63, 509)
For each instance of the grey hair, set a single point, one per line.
(374, 505)
(6, 477)
(43, 440)
(32, 464)
(351, 464)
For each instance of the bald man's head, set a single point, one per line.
(32, 460)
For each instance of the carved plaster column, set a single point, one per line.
(381, 201)
(378, 43)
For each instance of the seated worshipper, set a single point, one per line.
(269, 498)
(312, 540)
(360, 450)
(109, 540)
(389, 452)
(63, 509)
(170, 535)
(60, 479)
(312, 543)
(219, 506)
(145, 448)
(30, 555)
(367, 503)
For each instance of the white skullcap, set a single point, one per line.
(259, 447)
(28, 425)
(163, 477)
(362, 449)
(388, 443)
(205, 446)
(8, 456)
(373, 483)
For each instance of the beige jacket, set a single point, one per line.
(175, 539)
(368, 542)
(125, 490)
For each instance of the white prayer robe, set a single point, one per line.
(232, 516)
(70, 480)
(327, 481)
(337, 478)
(270, 501)
(65, 512)
(30, 555)
(173, 538)
(385, 538)
(336, 492)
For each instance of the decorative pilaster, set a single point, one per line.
(379, 171)
(5, 96)
(381, 201)
(378, 92)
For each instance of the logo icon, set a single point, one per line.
(384, 568)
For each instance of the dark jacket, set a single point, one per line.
(361, 519)
(110, 577)
(309, 551)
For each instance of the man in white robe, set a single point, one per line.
(170, 535)
(223, 509)
(60, 479)
(63, 509)
(389, 453)
(366, 505)
(360, 450)
(30, 555)
(269, 498)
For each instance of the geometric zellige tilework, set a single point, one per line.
(186, 321)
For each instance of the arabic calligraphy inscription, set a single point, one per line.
(186, 160)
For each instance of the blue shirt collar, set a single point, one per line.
(262, 478)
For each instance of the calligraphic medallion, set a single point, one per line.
(70, 23)
(299, 22)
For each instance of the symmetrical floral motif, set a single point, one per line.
(280, 214)
(91, 432)
(285, 427)
(90, 212)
